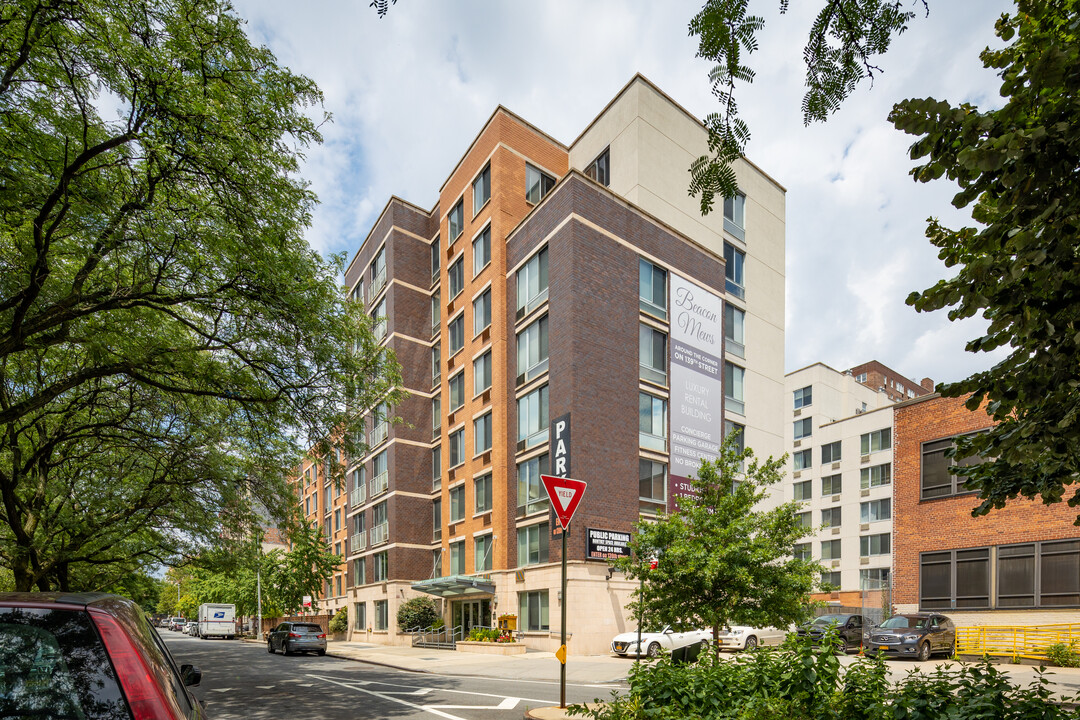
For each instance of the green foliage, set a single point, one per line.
(844, 40)
(484, 634)
(721, 561)
(417, 612)
(169, 343)
(340, 622)
(1015, 166)
(1063, 655)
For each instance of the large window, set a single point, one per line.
(954, 579)
(652, 354)
(481, 189)
(360, 571)
(937, 481)
(457, 276)
(801, 551)
(831, 485)
(378, 316)
(874, 510)
(481, 251)
(380, 474)
(481, 312)
(436, 467)
(436, 312)
(436, 519)
(482, 559)
(652, 485)
(532, 350)
(733, 271)
(457, 391)
(436, 414)
(457, 558)
(830, 452)
(378, 271)
(457, 447)
(830, 549)
(734, 211)
(804, 427)
(734, 392)
(482, 493)
(532, 283)
(735, 330)
(457, 504)
(652, 422)
(531, 494)
(803, 520)
(456, 220)
(599, 169)
(436, 260)
(537, 184)
(533, 611)
(874, 579)
(802, 459)
(482, 373)
(652, 289)
(804, 490)
(1041, 574)
(381, 566)
(482, 434)
(382, 614)
(532, 543)
(532, 412)
(804, 397)
(436, 363)
(879, 544)
(831, 517)
(874, 441)
(875, 476)
(456, 331)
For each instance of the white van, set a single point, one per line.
(217, 620)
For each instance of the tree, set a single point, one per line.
(169, 343)
(417, 612)
(720, 561)
(1017, 168)
(301, 571)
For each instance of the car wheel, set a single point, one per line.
(751, 643)
(286, 649)
(654, 650)
(269, 647)
(321, 653)
(924, 652)
(952, 649)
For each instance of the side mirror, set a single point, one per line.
(190, 675)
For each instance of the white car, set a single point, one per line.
(653, 642)
(741, 637)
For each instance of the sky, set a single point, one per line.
(410, 91)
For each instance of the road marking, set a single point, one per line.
(221, 690)
(445, 690)
(384, 696)
(264, 687)
(507, 704)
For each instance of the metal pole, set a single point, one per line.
(641, 616)
(258, 604)
(562, 669)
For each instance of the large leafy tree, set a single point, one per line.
(168, 341)
(720, 560)
(1018, 168)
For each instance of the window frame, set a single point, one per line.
(882, 439)
(456, 442)
(482, 312)
(533, 427)
(803, 397)
(600, 168)
(866, 476)
(455, 331)
(484, 238)
(542, 187)
(649, 436)
(836, 484)
(734, 271)
(648, 272)
(483, 177)
(482, 434)
(648, 353)
(482, 372)
(803, 428)
(540, 533)
(457, 210)
(455, 276)
(482, 497)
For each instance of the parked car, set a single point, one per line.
(653, 642)
(742, 637)
(917, 635)
(847, 628)
(290, 637)
(177, 624)
(88, 655)
(191, 628)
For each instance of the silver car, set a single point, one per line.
(290, 637)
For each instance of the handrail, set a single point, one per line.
(1015, 641)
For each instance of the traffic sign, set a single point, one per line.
(564, 494)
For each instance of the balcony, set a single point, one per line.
(379, 433)
(379, 484)
(358, 542)
(378, 282)
(358, 496)
(380, 534)
(380, 328)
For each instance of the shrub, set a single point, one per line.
(340, 622)
(484, 634)
(418, 612)
(1063, 655)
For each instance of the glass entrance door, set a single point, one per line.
(472, 613)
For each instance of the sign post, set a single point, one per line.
(564, 495)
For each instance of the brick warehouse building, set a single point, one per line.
(552, 280)
(1017, 565)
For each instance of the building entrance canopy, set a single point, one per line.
(455, 586)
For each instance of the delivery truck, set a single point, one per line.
(217, 620)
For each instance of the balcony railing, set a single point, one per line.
(358, 542)
(358, 495)
(377, 283)
(380, 533)
(379, 483)
(379, 433)
(380, 328)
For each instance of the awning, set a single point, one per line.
(455, 586)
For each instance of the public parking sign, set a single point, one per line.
(564, 494)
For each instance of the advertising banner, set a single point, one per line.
(607, 544)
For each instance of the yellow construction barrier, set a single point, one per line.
(1028, 642)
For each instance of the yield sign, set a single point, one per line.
(565, 494)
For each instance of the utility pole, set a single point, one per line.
(258, 604)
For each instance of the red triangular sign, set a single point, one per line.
(564, 495)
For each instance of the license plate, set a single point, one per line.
(883, 647)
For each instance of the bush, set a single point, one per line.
(1063, 655)
(419, 612)
(484, 635)
(340, 622)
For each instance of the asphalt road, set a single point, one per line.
(241, 680)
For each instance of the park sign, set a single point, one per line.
(564, 495)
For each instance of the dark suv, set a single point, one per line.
(290, 637)
(917, 635)
(88, 655)
(848, 630)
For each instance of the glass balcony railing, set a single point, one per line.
(380, 534)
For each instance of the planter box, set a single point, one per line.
(491, 648)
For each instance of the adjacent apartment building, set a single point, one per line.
(574, 283)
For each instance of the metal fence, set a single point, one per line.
(1027, 642)
(444, 638)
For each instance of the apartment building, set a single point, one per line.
(1019, 565)
(323, 503)
(576, 283)
(840, 439)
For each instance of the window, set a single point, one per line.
(337, 586)
(378, 317)
(457, 276)
(830, 550)
(804, 397)
(382, 614)
(733, 388)
(532, 412)
(436, 563)
(337, 520)
(652, 289)
(436, 414)
(831, 485)
(457, 558)
(531, 494)
(380, 419)
(532, 350)
(378, 271)
(360, 571)
(380, 474)
(481, 312)
(482, 373)
(801, 551)
(831, 517)
(803, 459)
(652, 422)
(456, 220)
(599, 170)
(533, 611)
(436, 519)
(875, 510)
(481, 251)
(937, 481)
(482, 559)
(436, 364)
(436, 467)
(734, 210)
(874, 441)
(875, 476)
(537, 184)
(830, 579)
(652, 485)
(532, 283)
(652, 354)
(803, 520)
(954, 579)
(457, 391)
(482, 434)
(874, 579)
(481, 189)
(456, 331)
(735, 330)
(1045, 574)
(734, 281)
(381, 566)
(860, 378)
(482, 493)
(875, 544)
(830, 452)
(436, 262)
(436, 312)
(803, 490)
(457, 447)
(457, 504)
(740, 438)
(533, 544)
(804, 428)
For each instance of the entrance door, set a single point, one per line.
(471, 613)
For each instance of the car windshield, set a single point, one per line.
(307, 628)
(902, 622)
(829, 620)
